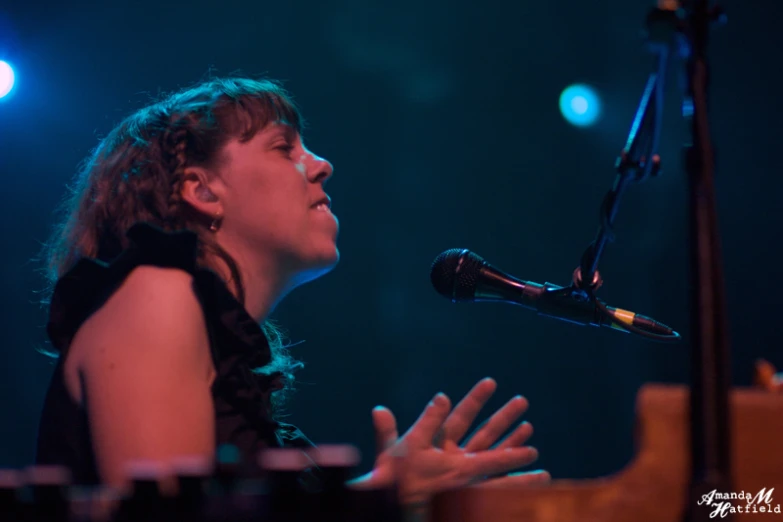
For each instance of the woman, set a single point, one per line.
(189, 223)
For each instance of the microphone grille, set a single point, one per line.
(455, 274)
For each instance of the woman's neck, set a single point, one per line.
(263, 283)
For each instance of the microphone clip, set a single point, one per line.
(568, 303)
(595, 284)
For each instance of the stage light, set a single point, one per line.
(580, 105)
(6, 78)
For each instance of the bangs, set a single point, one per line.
(246, 107)
(211, 113)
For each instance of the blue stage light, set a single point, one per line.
(580, 105)
(6, 78)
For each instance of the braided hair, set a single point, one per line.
(136, 174)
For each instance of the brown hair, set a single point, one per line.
(135, 174)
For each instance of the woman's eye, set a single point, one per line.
(285, 147)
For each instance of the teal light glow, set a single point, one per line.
(580, 105)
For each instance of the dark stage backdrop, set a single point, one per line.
(442, 121)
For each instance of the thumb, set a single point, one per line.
(385, 428)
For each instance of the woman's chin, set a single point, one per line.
(320, 265)
(330, 260)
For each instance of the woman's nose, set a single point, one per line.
(321, 170)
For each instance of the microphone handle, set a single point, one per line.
(495, 285)
(565, 303)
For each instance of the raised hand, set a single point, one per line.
(464, 415)
(429, 458)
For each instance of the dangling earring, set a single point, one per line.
(215, 223)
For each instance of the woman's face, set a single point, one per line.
(274, 202)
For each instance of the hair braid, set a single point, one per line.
(175, 145)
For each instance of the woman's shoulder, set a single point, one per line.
(156, 262)
(148, 297)
(153, 320)
(153, 309)
(151, 285)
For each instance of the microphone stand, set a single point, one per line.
(638, 161)
(710, 437)
(710, 359)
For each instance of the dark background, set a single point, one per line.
(442, 121)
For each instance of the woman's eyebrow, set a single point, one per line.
(282, 129)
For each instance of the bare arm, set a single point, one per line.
(146, 372)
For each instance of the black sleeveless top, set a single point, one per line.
(237, 342)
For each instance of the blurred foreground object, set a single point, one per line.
(289, 485)
(766, 377)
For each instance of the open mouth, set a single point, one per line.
(323, 204)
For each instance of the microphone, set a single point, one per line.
(463, 276)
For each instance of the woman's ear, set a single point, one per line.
(199, 193)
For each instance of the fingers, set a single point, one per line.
(497, 424)
(429, 423)
(464, 414)
(385, 428)
(498, 461)
(518, 437)
(513, 480)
